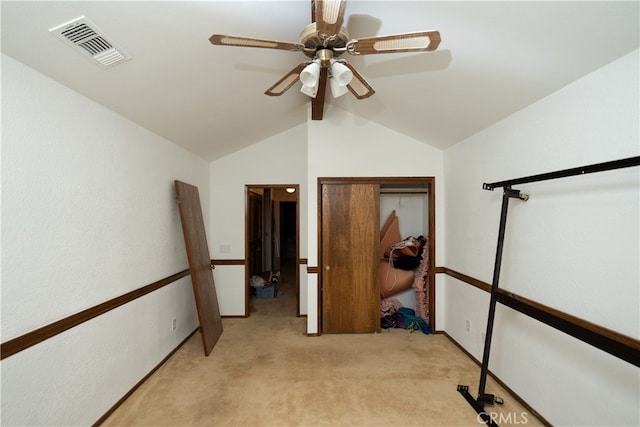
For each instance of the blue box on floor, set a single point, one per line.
(265, 292)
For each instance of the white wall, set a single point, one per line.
(343, 145)
(411, 209)
(88, 214)
(573, 246)
(280, 159)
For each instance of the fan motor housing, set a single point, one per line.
(312, 41)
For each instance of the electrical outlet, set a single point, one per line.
(173, 324)
(468, 326)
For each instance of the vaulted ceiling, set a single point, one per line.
(495, 58)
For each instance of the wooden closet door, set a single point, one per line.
(350, 260)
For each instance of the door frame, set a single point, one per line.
(295, 197)
(429, 183)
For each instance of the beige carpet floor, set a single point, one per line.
(264, 371)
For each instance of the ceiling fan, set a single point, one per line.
(323, 41)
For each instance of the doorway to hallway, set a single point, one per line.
(272, 245)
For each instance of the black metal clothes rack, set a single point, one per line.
(626, 349)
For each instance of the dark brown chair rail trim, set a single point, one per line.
(608, 340)
(464, 278)
(23, 342)
(16, 345)
(614, 343)
(227, 262)
(242, 261)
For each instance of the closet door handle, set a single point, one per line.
(327, 267)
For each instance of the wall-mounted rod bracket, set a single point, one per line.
(515, 194)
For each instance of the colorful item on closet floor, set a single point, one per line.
(405, 318)
(389, 306)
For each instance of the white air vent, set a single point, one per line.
(84, 35)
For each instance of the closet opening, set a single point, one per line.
(361, 221)
(272, 246)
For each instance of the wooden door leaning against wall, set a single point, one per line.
(349, 258)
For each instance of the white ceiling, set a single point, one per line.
(495, 58)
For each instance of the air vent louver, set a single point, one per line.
(85, 36)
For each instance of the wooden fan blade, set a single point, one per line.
(329, 17)
(359, 86)
(313, 10)
(226, 40)
(406, 42)
(286, 82)
(317, 103)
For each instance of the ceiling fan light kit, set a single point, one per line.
(323, 41)
(337, 90)
(311, 91)
(340, 73)
(340, 76)
(311, 74)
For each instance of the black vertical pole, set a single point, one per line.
(485, 398)
(482, 397)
